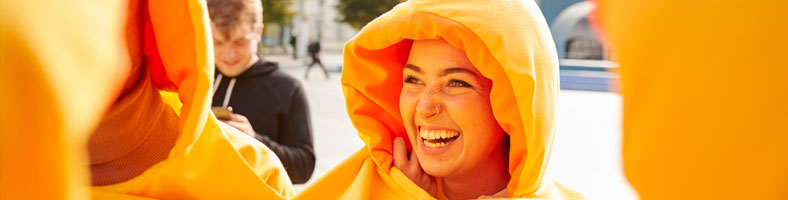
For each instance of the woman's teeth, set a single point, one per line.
(438, 138)
(437, 134)
(434, 145)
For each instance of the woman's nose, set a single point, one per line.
(428, 106)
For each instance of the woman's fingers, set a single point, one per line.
(501, 194)
(400, 154)
(413, 163)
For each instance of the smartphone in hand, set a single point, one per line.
(222, 113)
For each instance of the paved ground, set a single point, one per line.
(586, 154)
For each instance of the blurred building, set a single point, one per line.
(313, 20)
(584, 59)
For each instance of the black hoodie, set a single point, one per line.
(276, 106)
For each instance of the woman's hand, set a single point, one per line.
(500, 195)
(412, 169)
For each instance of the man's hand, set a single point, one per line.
(241, 123)
(412, 169)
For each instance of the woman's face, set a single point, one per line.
(445, 106)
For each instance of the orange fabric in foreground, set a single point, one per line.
(63, 66)
(705, 94)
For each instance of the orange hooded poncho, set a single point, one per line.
(705, 94)
(63, 68)
(507, 41)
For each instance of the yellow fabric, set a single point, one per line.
(64, 63)
(171, 99)
(508, 41)
(48, 107)
(705, 94)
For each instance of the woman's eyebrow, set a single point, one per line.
(457, 70)
(413, 67)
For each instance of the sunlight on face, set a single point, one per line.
(445, 106)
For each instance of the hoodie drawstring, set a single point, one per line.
(229, 89)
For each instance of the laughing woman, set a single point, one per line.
(471, 87)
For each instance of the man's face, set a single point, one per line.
(235, 50)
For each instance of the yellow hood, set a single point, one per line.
(508, 42)
(209, 160)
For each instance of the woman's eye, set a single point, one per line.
(412, 80)
(459, 83)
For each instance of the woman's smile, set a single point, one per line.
(437, 140)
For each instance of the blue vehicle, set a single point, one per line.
(582, 57)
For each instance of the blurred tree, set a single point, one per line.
(358, 13)
(277, 12)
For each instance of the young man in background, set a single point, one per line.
(268, 104)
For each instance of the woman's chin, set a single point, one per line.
(442, 164)
(438, 169)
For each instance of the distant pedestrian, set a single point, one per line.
(314, 52)
(293, 35)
